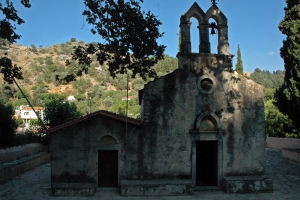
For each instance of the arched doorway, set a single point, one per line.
(207, 151)
(207, 155)
(108, 167)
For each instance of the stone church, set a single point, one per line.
(202, 128)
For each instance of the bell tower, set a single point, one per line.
(203, 25)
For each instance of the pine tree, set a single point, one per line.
(239, 65)
(288, 95)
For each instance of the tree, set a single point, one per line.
(130, 38)
(6, 92)
(33, 48)
(239, 64)
(288, 95)
(277, 124)
(7, 32)
(7, 125)
(58, 112)
(268, 79)
(73, 40)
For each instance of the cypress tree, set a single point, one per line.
(239, 65)
(288, 95)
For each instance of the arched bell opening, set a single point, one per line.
(217, 23)
(213, 35)
(195, 38)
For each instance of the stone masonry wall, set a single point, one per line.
(172, 103)
(75, 150)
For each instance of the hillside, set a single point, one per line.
(29, 57)
(44, 67)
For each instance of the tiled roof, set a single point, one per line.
(94, 114)
(35, 108)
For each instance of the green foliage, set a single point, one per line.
(166, 66)
(6, 92)
(43, 50)
(269, 94)
(7, 125)
(58, 112)
(40, 60)
(26, 138)
(130, 37)
(239, 64)
(49, 97)
(268, 79)
(7, 29)
(96, 92)
(115, 95)
(288, 95)
(277, 124)
(108, 102)
(65, 50)
(82, 85)
(34, 124)
(48, 60)
(33, 48)
(120, 82)
(39, 89)
(73, 40)
(120, 106)
(138, 84)
(79, 97)
(19, 94)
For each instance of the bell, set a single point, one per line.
(213, 26)
(212, 32)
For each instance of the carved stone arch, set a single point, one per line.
(207, 121)
(195, 11)
(108, 138)
(215, 13)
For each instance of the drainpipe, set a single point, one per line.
(127, 108)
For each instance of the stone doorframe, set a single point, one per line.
(116, 146)
(207, 136)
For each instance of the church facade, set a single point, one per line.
(202, 127)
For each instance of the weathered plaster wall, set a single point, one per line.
(75, 149)
(172, 103)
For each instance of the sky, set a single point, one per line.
(252, 24)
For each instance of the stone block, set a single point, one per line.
(73, 189)
(156, 187)
(247, 184)
(291, 154)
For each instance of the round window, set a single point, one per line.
(207, 84)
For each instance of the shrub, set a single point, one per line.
(7, 125)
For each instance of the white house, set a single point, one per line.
(27, 113)
(71, 98)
